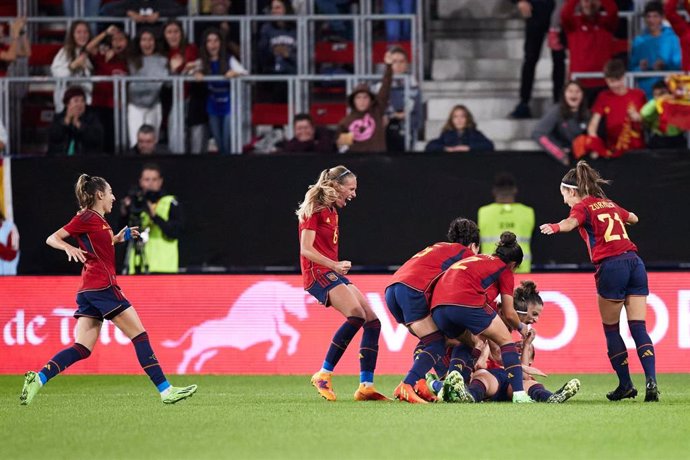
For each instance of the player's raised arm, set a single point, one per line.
(566, 225)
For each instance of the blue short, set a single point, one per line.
(503, 385)
(620, 276)
(324, 283)
(407, 305)
(452, 320)
(104, 304)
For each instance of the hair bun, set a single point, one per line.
(508, 239)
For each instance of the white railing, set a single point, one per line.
(240, 98)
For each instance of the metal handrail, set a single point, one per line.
(240, 116)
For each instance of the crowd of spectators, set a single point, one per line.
(600, 116)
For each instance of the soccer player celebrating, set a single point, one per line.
(406, 297)
(459, 303)
(99, 297)
(490, 381)
(621, 277)
(324, 278)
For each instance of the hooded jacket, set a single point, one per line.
(368, 129)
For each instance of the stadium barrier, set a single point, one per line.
(247, 324)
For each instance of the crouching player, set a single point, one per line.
(490, 381)
(407, 301)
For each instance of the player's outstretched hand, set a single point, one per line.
(75, 254)
(549, 229)
(126, 234)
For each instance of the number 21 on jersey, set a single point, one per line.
(610, 222)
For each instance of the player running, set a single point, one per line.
(324, 278)
(99, 297)
(620, 276)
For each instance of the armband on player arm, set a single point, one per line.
(555, 227)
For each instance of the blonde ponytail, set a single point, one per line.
(85, 189)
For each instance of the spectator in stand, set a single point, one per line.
(364, 129)
(537, 15)
(589, 34)
(73, 61)
(563, 122)
(336, 30)
(19, 45)
(620, 107)
(9, 246)
(3, 138)
(229, 30)
(182, 58)
(144, 11)
(399, 108)
(76, 130)
(108, 51)
(278, 41)
(681, 28)
(144, 103)
(398, 30)
(215, 61)
(460, 134)
(656, 49)
(668, 137)
(309, 138)
(147, 143)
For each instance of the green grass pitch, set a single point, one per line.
(238, 417)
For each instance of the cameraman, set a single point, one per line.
(159, 216)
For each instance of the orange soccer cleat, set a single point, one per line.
(369, 393)
(405, 392)
(423, 390)
(322, 383)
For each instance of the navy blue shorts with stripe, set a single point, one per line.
(324, 283)
(407, 305)
(104, 304)
(620, 276)
(452, 320)
(503, 385)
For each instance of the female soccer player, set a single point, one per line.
(459, 303)
(620, 275)
(324, 278)
(407, 300)
(99, 297)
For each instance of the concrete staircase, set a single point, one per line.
(476, 60)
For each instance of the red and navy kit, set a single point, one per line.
(622, 133)
(466, 282)
(94, 235)
(325, 223)
(421, 269)
(602, 226)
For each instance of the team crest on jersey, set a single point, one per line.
(328, 220)
(332, 276)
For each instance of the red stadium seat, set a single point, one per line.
(8, 8)
(327, 113)
(270, 114)
(42, 54)
(380, 49)
(334, 53)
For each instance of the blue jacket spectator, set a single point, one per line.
(278, 42)
(656, 49)
(460, 134)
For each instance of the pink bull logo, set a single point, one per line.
(257, 316)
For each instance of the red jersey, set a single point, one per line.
(466, 282)
(103, 91)
(325, 224)
(94, 235)
(602, 226)
(622, 133)
(421, 269)
(590, 39)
